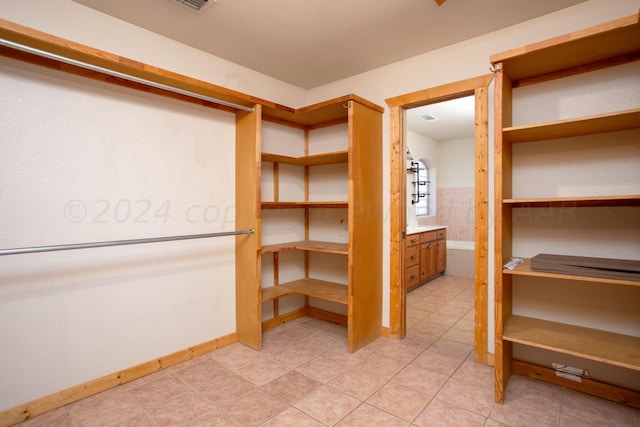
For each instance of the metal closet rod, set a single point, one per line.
(35, 249)
(114, 73)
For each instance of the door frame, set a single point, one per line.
(479, 87)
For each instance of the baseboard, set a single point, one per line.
(73, 394)
(589, 386)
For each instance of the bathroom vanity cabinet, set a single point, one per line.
(425, 255)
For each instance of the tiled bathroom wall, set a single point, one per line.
(455, 209)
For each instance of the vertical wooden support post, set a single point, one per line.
(248, 170)
(481, 274)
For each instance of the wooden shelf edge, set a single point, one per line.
(580, 126)
(329, 291)
(312, 160)
(524, 269)
(590, 386)
(593, 344)
(295, 205)
(308, 245)
(589, 201)
(601, 42)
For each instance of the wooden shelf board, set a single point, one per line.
(285, 205)
(524, 269)
(591, 201)
(328, 291)
(593, 344)
(308, 245)
(592, 45)
(610, 122)
(331, 111)
(313, 160)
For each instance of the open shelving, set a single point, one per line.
(315, 183)
(598, 48)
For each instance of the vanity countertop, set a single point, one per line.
(413, 229)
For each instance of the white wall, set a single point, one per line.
(63, 319)
(84, 161)
(456, 163)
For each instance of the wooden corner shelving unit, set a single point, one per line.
(266, 298)
(596, 48)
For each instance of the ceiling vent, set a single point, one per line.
(429, 118)
(196, 5)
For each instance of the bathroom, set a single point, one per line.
(440, 144)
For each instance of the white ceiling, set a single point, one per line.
(312, 42)
(454, 119)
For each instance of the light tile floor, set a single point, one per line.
(305, 377)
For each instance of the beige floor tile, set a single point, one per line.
(367, 416)
(262, 370)
(292, 386)
(476, 374)
(225, 387)
(295, 355)
(380, 365)
(451, 348)
(422, 380)
(253, 408)
(358, 383)
(470, 397)
(327, 404)
(443, 319)
(293, 417)
(109, 410)
(462, 336)
(235, 356)
(429, 327)
(443, 414)
(160, 390)
(437, 362)
(593, 409)
(403, 402)
(199, 375)
(403, 350)
(517, 415)
(180, 409)
(322, 369)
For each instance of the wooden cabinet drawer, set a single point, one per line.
(412, 256)
(429, 236)
(442, 234)
(412, 276)
(412, 239)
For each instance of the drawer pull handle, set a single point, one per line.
(414, 256)
(413, 276)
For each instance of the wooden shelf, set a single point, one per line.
(562, 202)
(329, 291)
(601, 43)
(524, 269)
(308, 245)
(317, 115)
(313, 160)
(610, 122)
(593, 344)
(286, 205)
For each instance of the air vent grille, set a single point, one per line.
(197, 5)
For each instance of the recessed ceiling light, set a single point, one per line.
(429, 118)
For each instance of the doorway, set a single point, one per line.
(478, 88)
